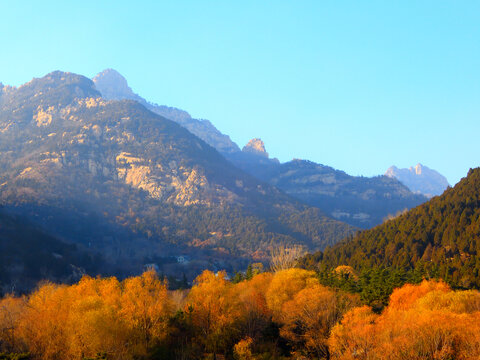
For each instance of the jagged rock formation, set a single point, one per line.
(114, 86)
(257, 147)
(120, 179)
(420, 179)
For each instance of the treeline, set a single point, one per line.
(270, 316)
(439, 239)
(282, 315)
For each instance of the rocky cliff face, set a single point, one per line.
(420, 179)
(120, 179)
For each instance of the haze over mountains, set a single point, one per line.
(359, 201)
(420, 179)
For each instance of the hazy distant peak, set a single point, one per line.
(420, 179)
(256, 146)
(111, 75)
(114, 86)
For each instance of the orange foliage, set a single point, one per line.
(309, 316)
(406, 296)
(11, 309)
(93, 316)
(242, 350)
(213, 309)
(255, 313)
(426, 321)
(283, 287)
(128, 319)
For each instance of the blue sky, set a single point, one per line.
(357, 85)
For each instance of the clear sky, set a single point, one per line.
(357, 85)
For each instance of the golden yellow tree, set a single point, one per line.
(146, 307)
(11, 309)
(284, 286)
(213, 310)
(308, 318)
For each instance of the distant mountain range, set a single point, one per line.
(123, 181)
(359, 201)
(420, 179)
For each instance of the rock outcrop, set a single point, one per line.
(256, 147)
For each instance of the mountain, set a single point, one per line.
(28, 255)
(358, 201)
(122, 180)
(114, 86)
(440, 238)
(420, 179)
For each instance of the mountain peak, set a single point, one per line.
(114, 86)
(256, 146)
(420, 179)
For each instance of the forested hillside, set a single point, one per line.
(440, 239)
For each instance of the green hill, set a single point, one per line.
(440, 238)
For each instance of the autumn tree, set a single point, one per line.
(308, 318)
(146, 307)
(11, 309)
(213, 310)
(426, 321)
(284, 286)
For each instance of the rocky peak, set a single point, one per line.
(420, 179)
(256, 146)
(114, 86)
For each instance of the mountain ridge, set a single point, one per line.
(378, 199)
(114, 86)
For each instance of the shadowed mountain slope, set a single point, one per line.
(28, 255)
